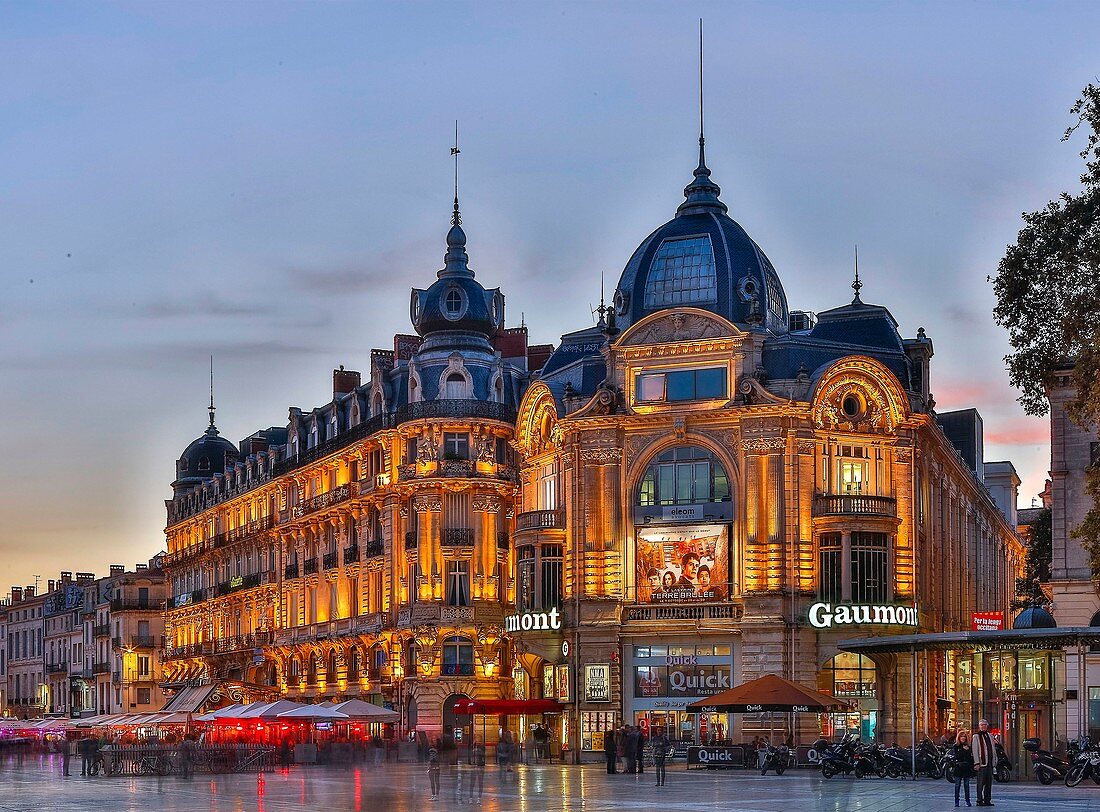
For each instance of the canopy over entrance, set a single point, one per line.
(769, 693)
(506, 707)
(976, 641)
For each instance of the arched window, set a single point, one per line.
(454, 388)
(295, 669)
(458, 657)
(183, 463)
(684, 475)
(376, 405)
(498, 390)
(353, 665)
(453, 302)
(848, 675)
(311, 674)
(414, 389)
(331, 670)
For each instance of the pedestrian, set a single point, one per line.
(661, 746)
(477, 770)
(529, 745)
(609, 750)
(640, 750)
(187, 747)
(85, 756)
(630, 749)
(68, 749)
(510, 749)
(620, 746)
(285, 754)
(433, 771)
(964, 765)
(985, 758)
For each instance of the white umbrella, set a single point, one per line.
(270, 710)
(365, 711)
(314, 713)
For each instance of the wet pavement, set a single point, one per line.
(38, 786)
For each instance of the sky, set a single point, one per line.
(265, 182)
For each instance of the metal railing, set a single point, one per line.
(122, 604)
(322, 500)
(374, 549)
(541, 520)
(456, 537)
(101, 668)
(145, 759)
(56, 668)
(351, 554)
(102, 630)
(290, 570)
(331, 560)
(310, 567)
(832, 504)
(142, 641)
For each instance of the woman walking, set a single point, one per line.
(964, 765)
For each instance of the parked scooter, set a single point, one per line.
(869, 760)
(1047, 766)
(776, 758)
(1003, 771)
(1086, 765)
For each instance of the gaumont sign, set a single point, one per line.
(534, 622)
(825, 615)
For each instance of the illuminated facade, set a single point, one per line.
(728, 489)
(364, 550)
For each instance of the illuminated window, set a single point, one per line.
(458, 583)
(848, 674)
(458, 657)
(682, 273)
(852, 476)
(682, 476)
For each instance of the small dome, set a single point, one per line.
(702, 258)
(1034, 617)
(203, 458)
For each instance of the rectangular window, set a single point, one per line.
(1094, 713)
(551, 566)
(831, 572)
(680, 385)
(852, 476)
(144, 666)
(458, 583)
(525, 578)
(868, 567)
(456, 446)
(144, 696)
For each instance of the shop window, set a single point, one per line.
(1094, 713)
(682, 476)
(848, 675)
(458, 657)
(1032, 672)
(677, 386)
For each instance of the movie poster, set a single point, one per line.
(682, 565)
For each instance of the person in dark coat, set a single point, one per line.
(661, 746)
(640, 750)
(609, 750)
(964, 765)
(985, 758)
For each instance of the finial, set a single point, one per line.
(702, 141)
(857, 285)
(702, 193)
(211, 407)
(456, 217)
(601, 310)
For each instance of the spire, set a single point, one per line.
(701, 195)
(211, 429)
(456, 258)
(856, 284)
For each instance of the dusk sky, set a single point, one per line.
(264, 182)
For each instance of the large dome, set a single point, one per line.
(203, 458)
(702, 258)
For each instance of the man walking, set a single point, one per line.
(985, 760)
(640, 749)
(609, 750)
(660, 753)
(67, 748)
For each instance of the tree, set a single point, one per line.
(1029, 588)
(1048, 297)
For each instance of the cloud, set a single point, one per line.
(1019, 433)
(204, 305)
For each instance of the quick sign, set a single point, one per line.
(826, 615)
(597, 683)
(715, 756)
(987, 621)
(534, 621)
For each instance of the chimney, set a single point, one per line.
(51, 585)
(344, 381)
(140, 567)
(85, 577)
(117, 569)
(17, 594)
(28, 592)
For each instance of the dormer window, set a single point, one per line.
(673, 386)
(204, 463)
(454, 302)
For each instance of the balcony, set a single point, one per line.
(143, 641)
(56, 668)
(332, 445)
(310, 567)
(290, 571)
(456, 537)
(242, 642)
(854, 504)
(101, 668)
(126, 604)
(375, 549)
(456, 469)
(186, 650)
(410, 540)
(322, 501)
(102, 630)
(331, 560)
(351, 554)
(481, 612)
(541, 520)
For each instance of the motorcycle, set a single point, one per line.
(947, 764)
(775, 758)
(869, 760)
(839, 758)
(1047, 766)
(1086, 765)
(1003, 771)
(898, 761)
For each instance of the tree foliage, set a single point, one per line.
(1029, 588)
(1048, 298)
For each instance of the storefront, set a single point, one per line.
(851, 677)
(664, 677)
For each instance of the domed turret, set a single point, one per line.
(1034, 617)
(206, 456)
(457, 303)
(702, 258)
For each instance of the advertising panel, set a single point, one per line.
(682, 564)
(987, 621)
(597, 682)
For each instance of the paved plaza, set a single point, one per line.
(37, 785)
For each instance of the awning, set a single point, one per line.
(506, 707)
(1003, 639)
(770, 693)
(365, 711)
(190, 699)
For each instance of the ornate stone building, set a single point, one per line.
(725, 489)
(364, 550)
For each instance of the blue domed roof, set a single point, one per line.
(457, 301)
(1034, 617)
(702, 258)
(204, 457)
